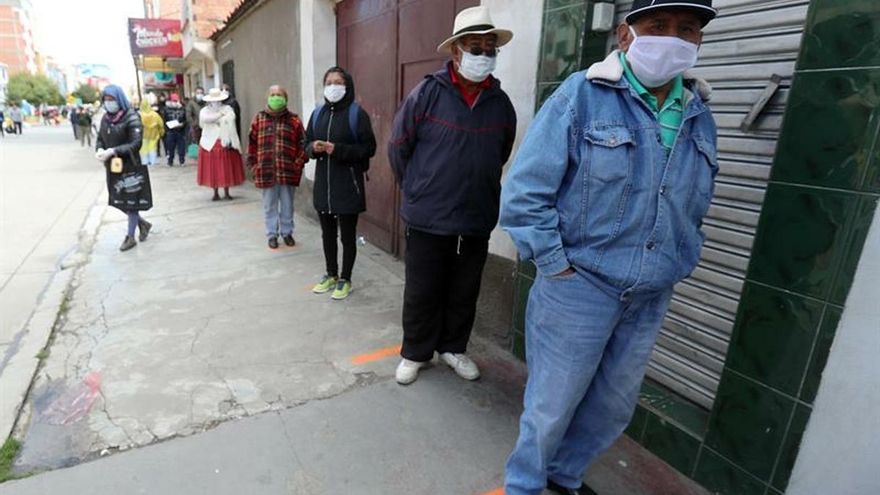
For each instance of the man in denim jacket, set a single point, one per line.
(606, 197)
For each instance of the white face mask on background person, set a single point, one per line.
(656, 60)
(334, 92)
(476, 68)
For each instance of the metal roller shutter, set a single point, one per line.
(749, 42)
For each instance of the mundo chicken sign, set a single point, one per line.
(156, 37)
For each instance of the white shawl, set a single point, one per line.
(218, 125)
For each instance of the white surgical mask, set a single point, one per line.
(656, 60)
(334, 92)
(111, 106)
(215, 105)
(476, 68)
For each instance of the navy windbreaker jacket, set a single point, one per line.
(448, 157)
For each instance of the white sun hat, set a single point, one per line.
(216, 94)
(475, 20)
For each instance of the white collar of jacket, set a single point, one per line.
(611, 70)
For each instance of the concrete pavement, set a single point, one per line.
(200, 362)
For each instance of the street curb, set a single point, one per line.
(20, 371)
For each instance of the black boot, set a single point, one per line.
(127, 243)
(144, 229)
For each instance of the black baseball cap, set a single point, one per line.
(702, 8)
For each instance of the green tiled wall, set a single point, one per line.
(822, 196)
(824, 190)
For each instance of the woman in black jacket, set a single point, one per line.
(339, 136)
(119, 143)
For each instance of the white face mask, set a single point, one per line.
(476, 68)
(215, 105)
(656, 60)
(112, 106)
(334, 92)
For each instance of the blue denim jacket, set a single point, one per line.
(591, 186)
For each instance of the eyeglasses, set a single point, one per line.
(478, 50)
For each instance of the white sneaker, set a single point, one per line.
(408, 371)
(462, 365)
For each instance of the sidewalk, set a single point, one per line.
(202, 324)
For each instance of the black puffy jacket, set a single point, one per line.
(129, 190)
(339, 178)
(125, 136)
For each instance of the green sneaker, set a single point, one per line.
(343, 289)
(324, 285)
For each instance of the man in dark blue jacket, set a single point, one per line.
(450, 140)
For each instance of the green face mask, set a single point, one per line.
(277, 102)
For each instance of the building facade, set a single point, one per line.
(16, 36)
(4, 80)
(199, 20)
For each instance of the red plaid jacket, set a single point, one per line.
(276, 152)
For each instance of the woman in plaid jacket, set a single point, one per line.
(276, 157)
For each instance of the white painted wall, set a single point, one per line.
(518, 71)
(840, 451)
(318, 45)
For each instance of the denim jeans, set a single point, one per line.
(587, 347)
(278, 210)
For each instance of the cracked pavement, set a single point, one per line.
(222, 373)
(202, 324)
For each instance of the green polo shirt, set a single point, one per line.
(671, 114)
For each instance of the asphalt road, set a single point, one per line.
(47, 185)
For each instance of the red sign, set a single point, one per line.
(160, 37)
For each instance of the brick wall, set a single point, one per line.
(209, 15)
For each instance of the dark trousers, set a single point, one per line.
(18, 127)
(443, 275)
(346, 226)
(175, 141)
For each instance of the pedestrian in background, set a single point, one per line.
(233, 103)
(450, 140)
(84, 124)
(276, 157)
(74, 122)
(219, 147)
(174, 116)
(159, 107)
(340, 136)
(606, 197)
(16, 116)
(2, 126)
(154, 129)
(193, 107)
(128, 186)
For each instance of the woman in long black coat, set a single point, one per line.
(120, 137)
(339, 136)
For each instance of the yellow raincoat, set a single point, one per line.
(154, 129)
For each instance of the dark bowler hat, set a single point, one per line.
(702, 8)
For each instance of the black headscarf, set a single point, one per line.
(349, 87)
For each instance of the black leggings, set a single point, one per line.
(347, 227)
